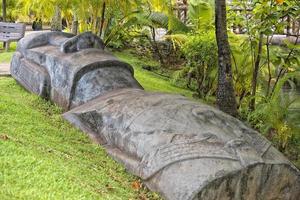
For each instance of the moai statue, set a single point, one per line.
(184, 150)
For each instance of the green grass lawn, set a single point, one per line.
(149, 80)
(44, 157)
(5, 57)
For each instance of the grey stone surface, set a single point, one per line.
(69, 70)
(283, 40)
(186, 150)
(182, 149)
(83, 41)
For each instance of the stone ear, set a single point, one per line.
(82, 41)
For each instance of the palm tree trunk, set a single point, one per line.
(4, 16)
(225, 93)
(4, 10)
(56, 24)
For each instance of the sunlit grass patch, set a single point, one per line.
(5, 57)
(43, 157)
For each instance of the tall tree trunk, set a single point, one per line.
(4, 10)
(75, 23)
(4, 16)
(255, 73)
(225, 93)
(56, 24)
(102, 19)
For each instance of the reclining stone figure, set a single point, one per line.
(182, 149)
(45, 65)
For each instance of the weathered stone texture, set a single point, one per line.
(183, 149)
(83, 41)
(45, 65)
(186, 150)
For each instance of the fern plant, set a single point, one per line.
(272, 116)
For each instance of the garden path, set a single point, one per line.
(4, 69)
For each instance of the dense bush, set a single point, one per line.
(200, 72)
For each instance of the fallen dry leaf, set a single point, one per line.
(279, 2)
(142, 197)
(4, 137)
(136, 185)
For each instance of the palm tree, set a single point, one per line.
(225, 93)
(4, 10)
(56, 23)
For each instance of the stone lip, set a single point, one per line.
(183, 149)
(69, 70)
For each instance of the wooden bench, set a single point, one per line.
(10, 32)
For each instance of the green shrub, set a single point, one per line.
(276, 118)
(200, 73)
